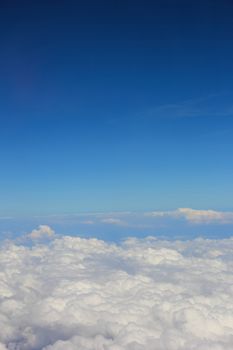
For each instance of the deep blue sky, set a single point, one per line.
(115, 105)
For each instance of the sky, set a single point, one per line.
(110, 106)
(116, 156)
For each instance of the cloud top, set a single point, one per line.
(43, 231)
(196, 216)
(87, 294)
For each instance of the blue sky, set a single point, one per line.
(115, 106)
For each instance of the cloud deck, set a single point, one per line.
(87, 294)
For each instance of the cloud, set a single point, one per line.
(205, 216)
(114, 221)
(145, 222)
(43, 231)
(196, 216)
(87, 222)
(214, 105)
(87, 294)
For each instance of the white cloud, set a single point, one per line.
(205, 216)
(141, 295)
(143, 221)
(114, 221)
(87, 222)
(196, 216)
(2, 347)
(43, 231)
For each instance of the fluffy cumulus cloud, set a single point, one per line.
(196, 216)
(76, 293)
(43, 231)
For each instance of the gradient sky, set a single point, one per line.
(115, 105)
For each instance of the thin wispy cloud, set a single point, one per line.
(195, 216)
(215, 105)
(114, 221)
(6, 217)
(87, 222)
(134, 219)
(150, 220)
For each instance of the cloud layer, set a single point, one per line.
(76, 293)
(196, 216)
(137, 219)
